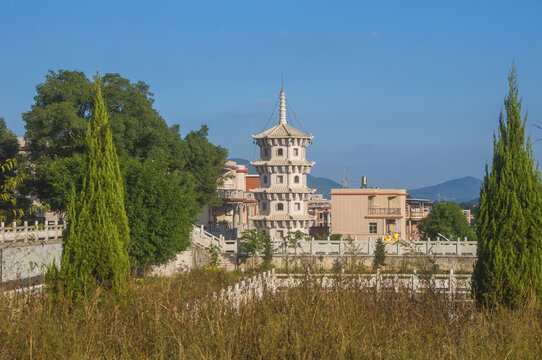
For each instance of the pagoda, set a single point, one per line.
(283, 194)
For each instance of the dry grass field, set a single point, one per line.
(158, 320)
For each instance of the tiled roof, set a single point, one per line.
(282, 131)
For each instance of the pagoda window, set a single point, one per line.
(280, 179)
(264, 179)
(296, 151)
(264, 206)
(280, 152)
(265, 152)
(296, 179)
(280, 207)
(297, 206)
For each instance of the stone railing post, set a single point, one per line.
(56, 230)
(458, 247)
(451, 284)
(341, 247)
(25, 224)
(312, 246)
(377, 280)
(415, 281)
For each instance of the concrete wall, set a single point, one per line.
(22, 261)
(334, 262)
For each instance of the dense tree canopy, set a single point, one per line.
(509, 267)
(56, 125)
(162, 201)
(9, 146)
(12, 204)
(55, 131)
(446, 219)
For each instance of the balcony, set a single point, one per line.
(384, 211)
(417, 214)
(235, 195)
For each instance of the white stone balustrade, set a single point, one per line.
(30, 232)
(270, 282)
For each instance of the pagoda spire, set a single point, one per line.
(282, 118)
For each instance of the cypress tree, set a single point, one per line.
(96, 241)
(509, 226)
(379, 254)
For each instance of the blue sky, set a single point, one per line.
(405, 92)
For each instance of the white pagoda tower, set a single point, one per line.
(283, 194)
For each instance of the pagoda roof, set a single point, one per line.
(282, 131)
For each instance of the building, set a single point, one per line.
(283, 194)
(320, 208)
(231, 218)
(368, 213)
(469, 216)
(416, 211)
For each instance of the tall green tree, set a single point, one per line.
(95, 249)
(509, 266)
(446, 219)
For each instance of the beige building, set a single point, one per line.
(238, 203)
(283, 194)
(368, 212)
(416, 211)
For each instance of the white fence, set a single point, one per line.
(27, 250)
(254, 288)
(31, 232)
(452, 248)
(443, 283)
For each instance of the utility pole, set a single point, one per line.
(346, 179)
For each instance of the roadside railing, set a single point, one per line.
(30, 232)
(451, 248)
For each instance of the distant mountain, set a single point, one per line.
(466, 189)
(321, 184)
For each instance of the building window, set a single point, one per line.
(280, 206)
(296, 152)
(373, 228)
(296, 179)
(280, 179)
(280, 152)
(297, 206)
